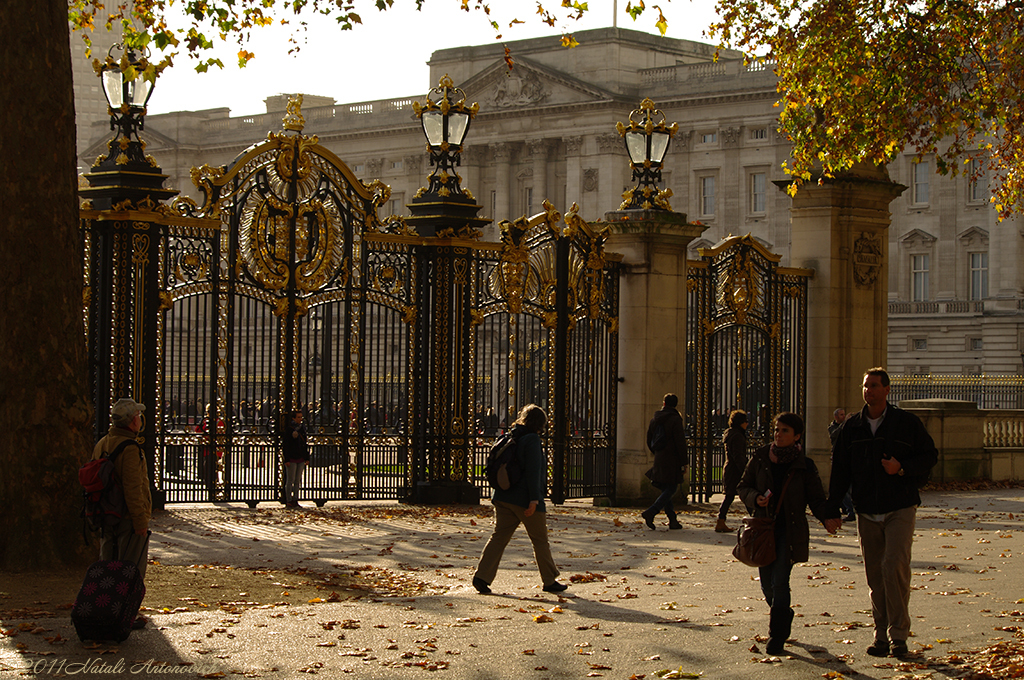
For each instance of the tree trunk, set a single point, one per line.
(45, 411)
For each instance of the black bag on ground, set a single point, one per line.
(103, 503)
(504, 468)
(108, 601)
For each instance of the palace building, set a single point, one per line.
(547, 130)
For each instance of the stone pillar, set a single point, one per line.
(502, 154)
(652, 332)
(839, 230)
(573, 169)
(538, 149)
(612, 172)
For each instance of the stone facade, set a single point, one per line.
(546, 129)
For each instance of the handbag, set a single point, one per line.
(755, 540)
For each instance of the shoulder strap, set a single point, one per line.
(778, 503)
(119, 448)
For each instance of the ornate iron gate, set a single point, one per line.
(746, 349)
(283, 290)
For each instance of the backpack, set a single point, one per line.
(504, 468)
(103, 503)
(657, 438)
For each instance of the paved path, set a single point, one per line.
(643, 601)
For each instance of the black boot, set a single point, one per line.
(780, 624)
(673, 523)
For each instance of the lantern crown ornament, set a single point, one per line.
(443, 207)
(445, 118)
(647, 139)
(125, 172)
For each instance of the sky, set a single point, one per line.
(386, 56)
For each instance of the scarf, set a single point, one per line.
(784, 455)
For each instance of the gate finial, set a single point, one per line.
(293, 119)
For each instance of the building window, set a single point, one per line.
(921, 177)
(979, 276)
(528, 200)
(709, 138)
(395, 205)
(919, 277)
(758, 197)
(759, 133)
(976, 344)
(707, 196)
(396, 165)
(358, 169)
(975, 192)
(920, 344)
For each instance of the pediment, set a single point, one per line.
(917, 237)
(528, 85)
(975, 236)
(98, 146)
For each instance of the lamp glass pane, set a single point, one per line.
(113, 88)
(457, 124)
(636, 145)
(659, 145)
(433, 127)
(137, 91)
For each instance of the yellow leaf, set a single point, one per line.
(542, 618)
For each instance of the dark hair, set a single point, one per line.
(670, 400)
(791, 419)
(532, 417)
(880, 372)
(737, 418)
(294, 412)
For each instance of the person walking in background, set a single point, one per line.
(128, 541)
(838, 418)
(883, 455)
(735, 441)
(522, 503)
(296, 455)
(666, 438)
(780, 481)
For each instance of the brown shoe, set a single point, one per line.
(721, 528)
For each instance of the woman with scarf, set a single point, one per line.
(779, 481)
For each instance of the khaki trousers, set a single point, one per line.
(122, 543)
(507, 518)
(886, 547)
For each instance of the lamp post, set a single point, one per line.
(443, 207)
(647, 139)
(125, 172)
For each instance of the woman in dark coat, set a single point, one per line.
(780, 470)
(670, 459)
(735, 441)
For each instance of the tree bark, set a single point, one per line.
(45, 410)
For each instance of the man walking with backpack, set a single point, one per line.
(666, 438)
(128, 540)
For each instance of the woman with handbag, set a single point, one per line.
(780, 482)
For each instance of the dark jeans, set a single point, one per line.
(775, 585)
(664, 502)
(726, 503)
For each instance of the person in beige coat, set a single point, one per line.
(128, 541)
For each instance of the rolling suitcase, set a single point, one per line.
(108, 601)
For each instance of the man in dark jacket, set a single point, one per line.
(884, 454)
(667, 440)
